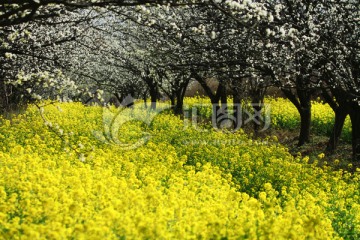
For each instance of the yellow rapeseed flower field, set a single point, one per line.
(59, 180)
(284, 114)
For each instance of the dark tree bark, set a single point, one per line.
(153, 89)
(238, 121)
(177, 92)
(238, 89)
(340, 116)
(172, 100)
(180, 95)
(355, 123)
(341, 109)
(220, 94)
(223, 109)
(257, 98)
(303, 105)
(124, 100)
(144, 96)
(4, 97)
(223, 98)
(214, 97)
(153, 97)
(119, 97)
(178, 106)
(305, 116)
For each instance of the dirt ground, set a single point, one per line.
(340, 159)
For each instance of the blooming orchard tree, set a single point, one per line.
(309, 45)
(312, 33)
(33, 29)
(15, 12)
(205, 41)
(27, 51)
(136, 51)
(340, 51)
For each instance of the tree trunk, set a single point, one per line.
(355, 123)
(178, 110)
(153, 97)
(172, 100)
(237, 111)
(178, 106)
(213, 97)
(119, 97)
(257, 97)
(153, 89)
(4, 97)
(219, 115)
(303, 105)
(340, 116)
(224, 105)
(257, 120)
(305, 116)
(223, 97)
(145, 99)
(341, 109)
(180, 95)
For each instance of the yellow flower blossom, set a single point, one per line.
(164, 189)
